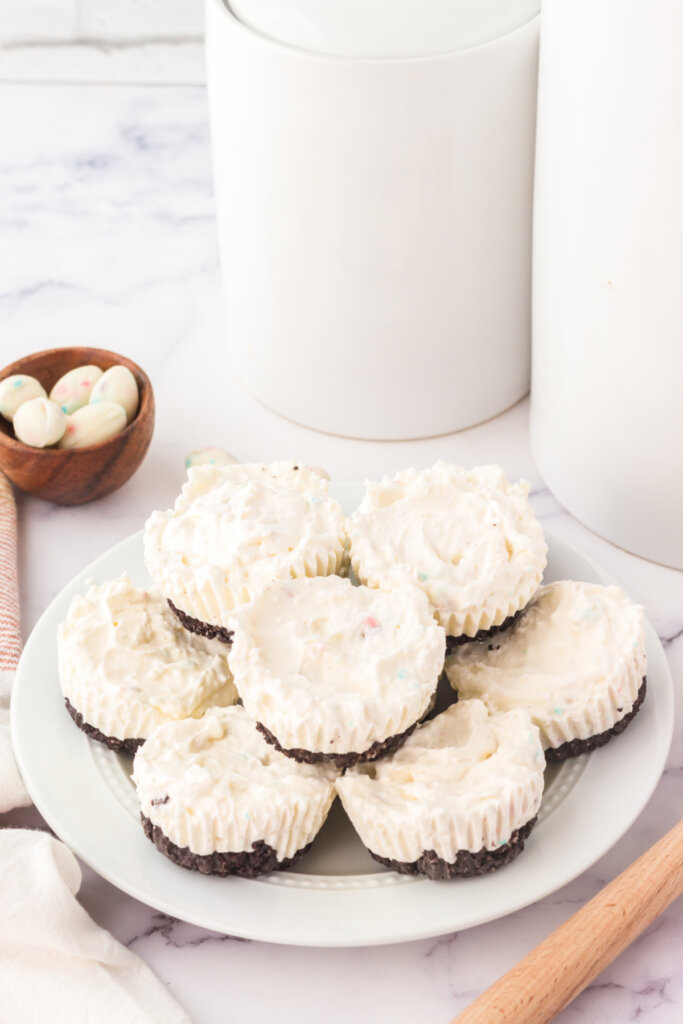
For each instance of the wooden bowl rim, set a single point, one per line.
(146, 398)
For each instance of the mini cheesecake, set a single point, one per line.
(126, 665)
(467, 537)
(334, 672)
(236, 528)
(459, 798)
(576, 662)
(216, 798)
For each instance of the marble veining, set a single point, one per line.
(107, 237)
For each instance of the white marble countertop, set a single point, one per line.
(107, 237)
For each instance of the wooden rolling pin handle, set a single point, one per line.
(552, 974)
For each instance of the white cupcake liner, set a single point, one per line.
(142, 678)
(504, 592)
(286, 829)
(111, 714)
(419, 800)
(210, 596)
(581, 719)
(405, 832)
(602, 711)
(323, 737)
(119, 714)
(228, 823)
(209, 592)
(468, 621)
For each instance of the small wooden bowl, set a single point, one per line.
(74, 476)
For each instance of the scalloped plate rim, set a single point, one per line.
(58, 769)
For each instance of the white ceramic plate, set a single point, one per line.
(337, 895)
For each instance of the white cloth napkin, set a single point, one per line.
(56, 964)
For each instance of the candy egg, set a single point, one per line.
(39, 423)
(209, 456)
(117, 384)
(92, 424)
(16, 390)
(72, 391)
(320, 471)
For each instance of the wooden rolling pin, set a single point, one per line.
(552, 974)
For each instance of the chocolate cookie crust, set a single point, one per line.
(466, 863)
(202, 628)
(120, 746)
(482, 635)
(378, 749)
(572, 748)
(247, 864)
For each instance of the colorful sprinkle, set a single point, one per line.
(73, 390)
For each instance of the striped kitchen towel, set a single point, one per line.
(55, 962)
(12, 790)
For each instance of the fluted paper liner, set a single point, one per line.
(597, 712)
(210, 592)
(469, 621)
(118, 713)
(212, 598)
(287, 822)
(404, 831)
(502, 593)
(602, 711)
(489, 828)
(335, 736)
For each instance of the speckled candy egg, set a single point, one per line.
(73, 390)
(92, 424)
(117, 384)
(16, 390)
(320, 471)
(209, 456)
(39, 423)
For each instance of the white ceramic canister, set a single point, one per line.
(374, 172)
(607, 378)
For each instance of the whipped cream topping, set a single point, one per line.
(236, 528)
(215, 785)
(463, 781)
(127, 664)
(468, 538)
(575, 661)
(333, 668)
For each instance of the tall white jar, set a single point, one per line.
(607, 378)
(374, 191)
